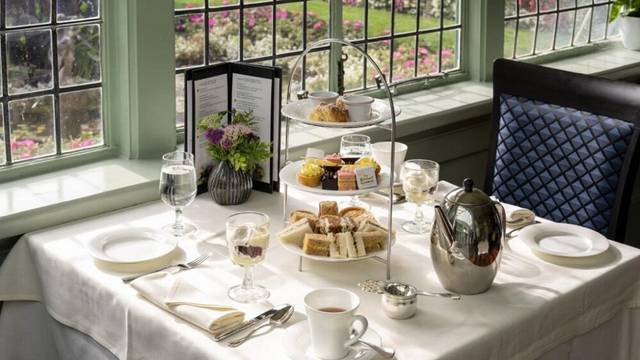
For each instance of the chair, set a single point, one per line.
(565, 145)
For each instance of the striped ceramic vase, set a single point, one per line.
(228, 186)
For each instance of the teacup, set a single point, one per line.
(359, 107)
(331, 316)
(381, 152)
(323, 97)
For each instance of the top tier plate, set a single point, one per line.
(300, 110)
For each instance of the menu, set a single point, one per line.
(245, 87)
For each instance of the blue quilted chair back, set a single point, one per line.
(566, 162)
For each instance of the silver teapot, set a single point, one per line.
(466, 240)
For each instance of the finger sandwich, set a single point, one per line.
(294, 233)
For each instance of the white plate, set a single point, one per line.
(292, 248)
(131, 245)
(297, 345)
(300, 110)
(289, 175)
(564, 240)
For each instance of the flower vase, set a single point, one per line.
(228, 186)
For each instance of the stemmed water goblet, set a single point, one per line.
(247, 236)
(178, 188)
(419, 183)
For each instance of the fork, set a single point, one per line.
(184, 266)
(509, 234)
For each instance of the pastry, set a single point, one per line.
(328, 208)
(355, 248)
(336, 159)
(329, 224)
(338, 248)
(346, 180)
(296, 215)
(310, 174)
(367, 161)
(316, 244)
(329, 113)
(340, 104)
(294, 233)
(352, 211)
(372, 241)
(329, 179)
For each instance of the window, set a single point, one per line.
(424, 35)
(537, 26)
(209, 32)
(51, 93)
(407, 38)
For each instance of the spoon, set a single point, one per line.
(279, 318)
(386, 353)
(378, 287)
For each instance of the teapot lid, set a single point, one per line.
(468, 195)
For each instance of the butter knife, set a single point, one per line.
(247, 324)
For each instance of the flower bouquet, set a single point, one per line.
(239, 152)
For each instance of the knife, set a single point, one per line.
(247, 324)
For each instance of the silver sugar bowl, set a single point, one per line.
(399, 300)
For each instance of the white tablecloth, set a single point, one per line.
(535, 308)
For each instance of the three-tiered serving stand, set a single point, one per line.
(392, 128)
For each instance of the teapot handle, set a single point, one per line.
(503, 222)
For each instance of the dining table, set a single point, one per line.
(61, 303)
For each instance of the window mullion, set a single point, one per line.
(335, 52)
(485, 36)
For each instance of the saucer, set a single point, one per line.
(297, 344)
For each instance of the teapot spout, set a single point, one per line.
(443, 227)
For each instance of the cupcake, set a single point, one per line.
(310, 174)
(347, 180)
(368, 161)
(334, 158)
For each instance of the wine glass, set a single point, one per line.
(419, 182)
(353, 147)
(178, 188)
(247, 240)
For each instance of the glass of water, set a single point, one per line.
(419, 183)
(248, 240)
(178, 188)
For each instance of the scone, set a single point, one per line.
(366, 161)
(316, 244)
(294, 233)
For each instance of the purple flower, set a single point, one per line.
(282, 14)
(318, 25)
(214, 135)
(252, 22)
(196, 19)
(212, 22)
(357, 24)
(409, 64)
(226, 144)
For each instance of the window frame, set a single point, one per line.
(137, 89)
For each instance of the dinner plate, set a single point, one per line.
(564, 240)
(300, 110)
(297, 344)
(131, 245)
(289, 176)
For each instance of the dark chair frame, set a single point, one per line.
(600, 96)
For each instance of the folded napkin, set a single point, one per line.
(444, 187)
(520, 217)
(176, 295)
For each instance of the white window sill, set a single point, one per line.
(40, 201)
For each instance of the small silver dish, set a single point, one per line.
(399, 300)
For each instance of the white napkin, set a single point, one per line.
(520, 217)
(186, 301)
(444, 187)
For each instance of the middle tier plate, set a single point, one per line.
(289, 175)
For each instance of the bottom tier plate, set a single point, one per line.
(298, 251)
